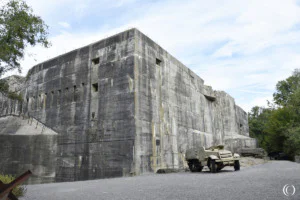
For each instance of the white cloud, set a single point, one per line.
(253, 92)
(261, 101)
(236, 46)
(62, 43)
(76, 8)
(120, 3)
(64, 24)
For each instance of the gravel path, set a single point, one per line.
(265, 181)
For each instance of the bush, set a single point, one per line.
(15, 96)
(18, 191)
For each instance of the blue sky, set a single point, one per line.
(241, 47)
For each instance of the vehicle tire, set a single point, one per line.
(195, 166)
(200, 168)
(236, 165)
(220, 166)
(213, 167)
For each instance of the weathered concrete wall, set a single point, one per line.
(125, 106)
(87, 97)
(9, 106)
(26, 144)
(19, 153)
(176, 111)
(21, 125)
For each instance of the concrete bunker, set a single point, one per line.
(117, 114)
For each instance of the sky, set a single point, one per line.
(241, 47)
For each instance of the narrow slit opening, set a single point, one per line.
(158, 62)
(96, 61)
(95, 87)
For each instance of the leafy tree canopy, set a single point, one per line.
(286, 88)
(19, 27)
(258, 118)
(277, 129)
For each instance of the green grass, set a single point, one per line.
(18, 191)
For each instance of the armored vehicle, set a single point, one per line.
(216, 158)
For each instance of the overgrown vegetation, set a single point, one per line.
(4, 89)
(18, 191)
(277, 128)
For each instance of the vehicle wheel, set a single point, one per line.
(200, 168)
(195, 166)
(219, 169)
(220, 166)
(212, 166)
(236, 165)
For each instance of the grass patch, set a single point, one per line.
(18, 191)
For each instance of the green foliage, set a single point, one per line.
(19, 27)
(277, 129)
(3, 86)
(258, 117)
(286, 88)
(278, 123)
(15, 96)
(4, 89)
(18, 191)
(292, 142)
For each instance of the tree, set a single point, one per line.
(277, 128)
(286, 88)
(258, 118)
(292, 142)
(19, 27)
(279, 121)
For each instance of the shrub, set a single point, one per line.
(4, 89)
(15, 96)
(18, 191)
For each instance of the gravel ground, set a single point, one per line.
(265, 181)
(250, 161)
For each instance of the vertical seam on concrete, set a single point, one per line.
(87, 126)
(136, 114)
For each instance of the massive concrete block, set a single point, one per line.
(125, 106)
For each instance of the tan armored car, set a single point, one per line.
(216, 158)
